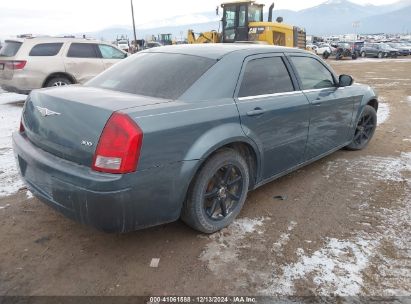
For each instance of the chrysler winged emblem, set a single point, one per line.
(46, 112)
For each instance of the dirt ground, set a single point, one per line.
(344, 228)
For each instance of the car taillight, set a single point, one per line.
(16, 64)
(118, 149)
(21, 129)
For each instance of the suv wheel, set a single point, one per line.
(363, 54)
(380, 55)
(218, 192)
(58, 82)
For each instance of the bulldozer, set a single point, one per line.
(243, 22)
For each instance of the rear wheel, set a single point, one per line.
(363, 54)
(218, 192)
(380, 55)
(58, 82)
(365, 129)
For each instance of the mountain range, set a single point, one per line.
(333, 17)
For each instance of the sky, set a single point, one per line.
(49, 17)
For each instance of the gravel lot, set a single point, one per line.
(343, 229)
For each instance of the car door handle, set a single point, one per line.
(256, 112)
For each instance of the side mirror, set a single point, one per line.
(345, 81)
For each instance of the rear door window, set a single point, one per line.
(265, 76)
(46, 49)
(109, 52)
(313, 74)
(10, 48)
(82, 50)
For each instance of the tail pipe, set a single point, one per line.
(270, 12)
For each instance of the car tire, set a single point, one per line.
(380, 55)
(363, 54)
(217, 193)
(365, 129)
(354, 56)
(326, 55)
(58, 81)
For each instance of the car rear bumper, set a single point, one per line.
(22, 82)
(108, 202)
(13, 89)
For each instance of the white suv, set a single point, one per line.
(33, 63)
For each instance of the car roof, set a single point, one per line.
(36, 40)
(218, 50)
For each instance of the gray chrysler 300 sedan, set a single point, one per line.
(186, 131)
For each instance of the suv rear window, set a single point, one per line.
(46, 49)
(82, 50)
(10, 48)
(161, 75)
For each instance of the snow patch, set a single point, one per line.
(29, 194)
(224, 245)
(10, 114)
(6, 98)
(379, 167)
(284, 239)
(337, 266)
(383, 113)
(344, 266)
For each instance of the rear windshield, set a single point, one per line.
(161, 75)
(10, 48)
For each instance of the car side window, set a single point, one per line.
(46, 49)
(312, 73)
(82, 50)
(265, 76)
(109, 52)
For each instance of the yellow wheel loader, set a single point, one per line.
(243, 22)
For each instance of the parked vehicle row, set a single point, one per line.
(34, 63)
(361, 49)
(379, 50)
(161, 147)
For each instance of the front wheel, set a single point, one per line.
(363, 54)
(217, 193)
(380, 55)
(365, 129)
(326, 55)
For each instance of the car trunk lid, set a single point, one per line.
(68, 121)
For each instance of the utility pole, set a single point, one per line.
(134, 25)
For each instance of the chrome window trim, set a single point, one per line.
(322, 89)
(268, 95)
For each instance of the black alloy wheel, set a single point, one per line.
(218, 192)
(365, 129)
(223, 192)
